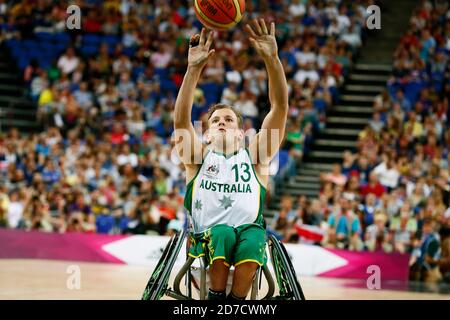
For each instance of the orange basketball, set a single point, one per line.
(219, 14)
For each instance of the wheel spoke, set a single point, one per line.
(157, 284)
(288, 285)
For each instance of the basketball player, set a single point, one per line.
(226, 183)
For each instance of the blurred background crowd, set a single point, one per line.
(392, 193)
(105, 163)
(105, 95)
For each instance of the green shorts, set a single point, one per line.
(246, 243)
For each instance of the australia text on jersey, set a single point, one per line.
(225, 187)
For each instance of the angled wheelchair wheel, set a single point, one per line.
(157, 284)
(289, 287)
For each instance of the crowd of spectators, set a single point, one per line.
(104, 161)
(391, 194)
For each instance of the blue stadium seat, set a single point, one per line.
(91, 39)
(61, 38)
(35, 54)
(412, 90)
(162, 73)
(168, 85)
(30, 45)
(17, 50)
(60, 48)
(23, 62)
(49, 48)
(44, 36)
(89, 50)
(112, 41)
(129, 51)
(212, 92)
(12, 43)
(44, 62)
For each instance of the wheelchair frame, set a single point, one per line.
(288, 286)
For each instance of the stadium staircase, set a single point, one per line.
(16, 110)
(351, 114)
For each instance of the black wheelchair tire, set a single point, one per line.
(284, 271)
(157, 284)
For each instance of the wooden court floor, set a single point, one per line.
(47, 279)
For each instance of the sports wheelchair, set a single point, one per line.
(288, 286)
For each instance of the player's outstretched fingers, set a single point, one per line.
(250, 31)
(210, 40)
(263, 26)
(272, 29)
(202, 36)
(258, 29)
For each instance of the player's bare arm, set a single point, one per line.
(267, 142)
(189, 146)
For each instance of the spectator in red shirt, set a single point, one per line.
(374, 186)
(409, 39)
(92, 23)
(117, 134)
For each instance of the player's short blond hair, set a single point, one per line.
(219, 106)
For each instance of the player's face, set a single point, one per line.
(224, 127)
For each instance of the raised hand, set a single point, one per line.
(199, 49)
(262, 40)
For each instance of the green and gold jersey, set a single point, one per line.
(225, 190)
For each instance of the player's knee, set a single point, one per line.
(248, 266)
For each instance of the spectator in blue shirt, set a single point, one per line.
(344, 227)
(83, 96)
(403, 101)
(426, 267)
(427, 45)
(50, 174)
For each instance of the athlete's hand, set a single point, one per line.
(262, 39)
(199, 49)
